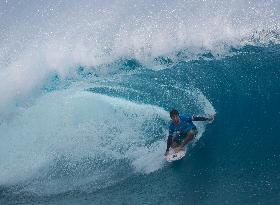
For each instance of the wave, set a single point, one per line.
(57, 37)
(85, 89)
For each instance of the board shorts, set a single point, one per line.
(180, 138)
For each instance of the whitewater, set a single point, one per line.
(86, 88)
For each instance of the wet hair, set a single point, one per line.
(173, 112)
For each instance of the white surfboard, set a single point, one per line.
(173, 156)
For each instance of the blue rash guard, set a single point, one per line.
(183, 127)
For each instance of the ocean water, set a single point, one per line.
(85, 93)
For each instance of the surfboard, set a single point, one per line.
(173, 156)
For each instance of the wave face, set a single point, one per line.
(85, 90)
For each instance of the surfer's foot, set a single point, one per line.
(178, 149)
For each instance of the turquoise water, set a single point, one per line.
(85, 108)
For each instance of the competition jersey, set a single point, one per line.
(185, 125)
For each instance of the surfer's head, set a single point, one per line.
(174, 115)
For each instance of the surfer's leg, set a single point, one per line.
(169, 143)
(188, 138)
(190, 135)
(178, 145)
(174, 144)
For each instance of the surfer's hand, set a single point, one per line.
(212, 117)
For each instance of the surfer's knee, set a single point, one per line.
(190, 135)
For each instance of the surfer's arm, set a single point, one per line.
(170, 138)
(169, 142)
(201, 118)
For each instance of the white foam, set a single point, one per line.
(40, 38)
(75, 126)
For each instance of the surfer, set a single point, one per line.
(182, 130)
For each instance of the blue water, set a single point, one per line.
(84, 112)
